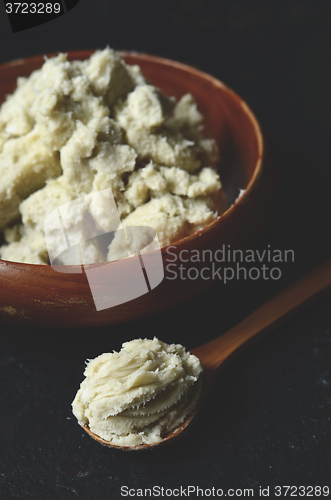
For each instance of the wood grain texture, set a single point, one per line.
(266, 318)
(38, 295)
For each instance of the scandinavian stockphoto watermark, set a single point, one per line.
(86, 234)
(226, 263)
(26, 15)
(195, 491)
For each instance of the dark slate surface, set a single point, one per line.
(270, 421)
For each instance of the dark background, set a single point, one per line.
(269, 423)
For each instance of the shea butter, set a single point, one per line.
(73, 128)
(138, 395)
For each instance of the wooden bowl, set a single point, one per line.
(39, 295)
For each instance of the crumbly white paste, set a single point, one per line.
(138, 395)
(75, 128)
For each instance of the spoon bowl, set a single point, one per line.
(216, 353)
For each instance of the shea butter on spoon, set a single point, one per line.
(147, 394)
(139, 395)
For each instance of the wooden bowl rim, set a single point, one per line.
(84, 54)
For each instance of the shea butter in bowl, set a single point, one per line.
(107, 292)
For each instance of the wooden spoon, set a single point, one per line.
(266, 318)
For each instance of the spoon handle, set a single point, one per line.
(270, 315)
